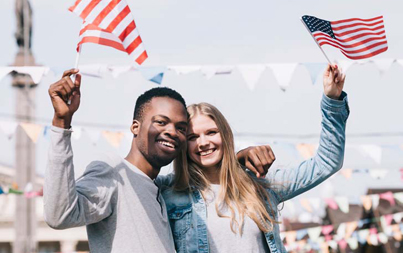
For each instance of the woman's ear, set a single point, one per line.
(135, 128)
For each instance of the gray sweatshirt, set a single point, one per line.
(119, 204)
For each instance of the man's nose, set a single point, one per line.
(171, 130)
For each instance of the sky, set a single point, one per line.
(179, 32)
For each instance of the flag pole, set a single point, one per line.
(75, 67)
(327, 58)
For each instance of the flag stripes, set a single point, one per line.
(112, 22)
(356, 38)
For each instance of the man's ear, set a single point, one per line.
(135, 127)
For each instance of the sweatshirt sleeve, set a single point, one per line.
(69, 203)
(288, 183)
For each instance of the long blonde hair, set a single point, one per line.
(239, 191)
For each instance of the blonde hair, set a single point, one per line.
(239, 191)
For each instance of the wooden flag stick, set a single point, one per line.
(327, 58)
(76, 67)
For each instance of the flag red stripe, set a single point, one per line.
(133, 45)
(84, 14)
(347, 46)
(90, 27)
(105, 11)
(366, 55)
(127, 31)
(118, 18)
(102, 41)
(142, 58)
(356, 24)
(366, 48)
(72, 8)
(355, 19)
(359, 29)
(361, 35)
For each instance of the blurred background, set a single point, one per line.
(255, 61)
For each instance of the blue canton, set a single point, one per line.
(315, 24)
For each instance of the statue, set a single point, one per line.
(20, 15)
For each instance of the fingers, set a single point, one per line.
(257, 163)
(70, 72)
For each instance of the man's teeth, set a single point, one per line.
(206, 152)
(165, 143)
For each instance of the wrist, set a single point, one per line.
(61, 122)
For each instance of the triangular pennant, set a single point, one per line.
(363, 235)
(93, 133)
(14, 191)
(153, 74)
(251, 74)
(343, 204)
(306, 150)
(398, 217)
(331, 203)
(315, 203)
(32, 130)
(291, 236)
(342, 244)
(4, 71)
(352, 243)
(350, 228)
(324, 247)
(398, 236)
(211, 70)
(114, 138)
(373, 151)
(332, 244)
(373, 240)
(366, 202)
(116, 71)
(344, 65)
(8, 128)
(93, 70)
(375, 200)
(35, 72)
(378, 173)
(400, 61)
(341, 230)
(388, 196)
(315, 69)
(327, 229)
(346, 173)
(398, 196)
(29, 187)
(76, 133)
(301, 234)
(283, 72)
(184, 70)
(1, 190)
(383, 64)
(305, 204)
(314, 233)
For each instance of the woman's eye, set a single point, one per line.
(191, 138)
(211, 132)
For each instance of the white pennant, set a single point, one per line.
(8, 128)
(375, 201)
(352, 243)
(398, 217)
(93, 133)
(333, 244)
(314, 233)
(373, 239)
(119, 70)
(378, 173)
(211, 70)
(400, 62)
(32, 130)
(36, 73)
(4, 71)
(373, 151)
(345, 64)
(315, 203)
(93, 70)
(341, 230)
(343, 204)
(398, 196)
(383, 64)
(251, 74)
(76, 132)
(184, 70)
(363, 234)
(283, 73)
(315, 69)
(382, 238)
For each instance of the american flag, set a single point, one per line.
(110, 23)
(356, 38)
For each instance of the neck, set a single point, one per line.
(212, 174)
(136, 158)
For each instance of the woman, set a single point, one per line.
(215, 206)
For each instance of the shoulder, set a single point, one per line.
(104, 165)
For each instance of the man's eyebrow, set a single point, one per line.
(168, 119)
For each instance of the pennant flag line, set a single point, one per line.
(356, 38)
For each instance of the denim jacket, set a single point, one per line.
(187, 210)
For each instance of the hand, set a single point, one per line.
(257, 159)
(60, 93)
(333, 81)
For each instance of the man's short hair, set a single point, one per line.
(146, 97)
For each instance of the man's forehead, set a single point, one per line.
(165, 106)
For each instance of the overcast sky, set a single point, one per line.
(181, 32)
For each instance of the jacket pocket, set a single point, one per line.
(180, 219)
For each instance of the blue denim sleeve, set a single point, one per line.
(288, 183)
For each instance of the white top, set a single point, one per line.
(220, 236)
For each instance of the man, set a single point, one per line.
(117, 198)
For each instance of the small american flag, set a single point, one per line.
(109, 23)
(356, 38)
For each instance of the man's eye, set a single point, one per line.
(182, 129)
(160, 122)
